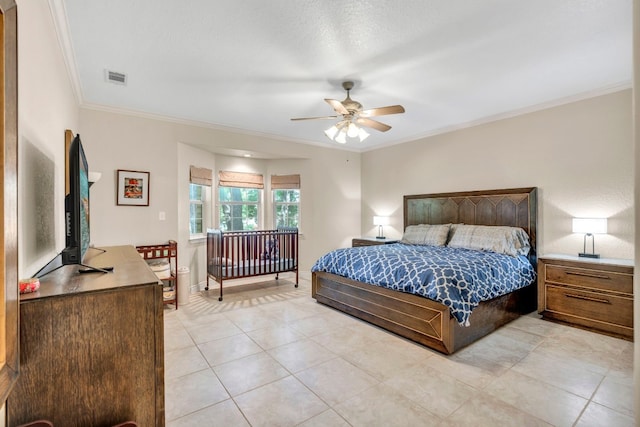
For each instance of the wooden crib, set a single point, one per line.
(238, 254)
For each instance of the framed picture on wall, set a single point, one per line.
(133, 188)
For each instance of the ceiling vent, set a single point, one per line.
(115, 77)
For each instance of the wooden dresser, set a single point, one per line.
(92, 346)
(594, 294)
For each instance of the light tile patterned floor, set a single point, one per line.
(269, 355)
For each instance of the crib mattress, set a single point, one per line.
(257, 267)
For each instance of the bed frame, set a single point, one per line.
(239, 254)
(420, 319)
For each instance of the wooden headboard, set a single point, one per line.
(515, 207)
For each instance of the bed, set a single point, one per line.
(424, 320)
(240, 254)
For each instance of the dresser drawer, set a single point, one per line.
(590, 278)
(585, 306)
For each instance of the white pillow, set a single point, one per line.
(512, 241)
(426, 234)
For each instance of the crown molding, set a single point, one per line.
(206, 125)
(61, 24)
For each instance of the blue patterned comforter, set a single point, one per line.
(457, 278)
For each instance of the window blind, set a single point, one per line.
(240, 179)
(201, 176)
(285, 182)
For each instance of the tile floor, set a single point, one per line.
(269, 355)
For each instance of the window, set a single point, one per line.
(239, 208)
(286, 200)
(197, 211)
(239, 197)
(199, 201)
(286, 208)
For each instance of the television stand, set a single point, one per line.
(102, 336)
(59, 261)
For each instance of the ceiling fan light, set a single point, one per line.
(331, 132)
(362, 134)
(353, 115)
(353, 130)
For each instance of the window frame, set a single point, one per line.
(205, 202)
(259, 206)
(276, 204)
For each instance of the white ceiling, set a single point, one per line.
(251, 65)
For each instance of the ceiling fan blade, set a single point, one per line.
(391, 109)
(337, 105)
(373, 124)
(315, 118)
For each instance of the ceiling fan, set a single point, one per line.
(353, 115)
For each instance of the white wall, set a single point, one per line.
(579, 155)
(46, 107)
(113, 142)
(330, 181)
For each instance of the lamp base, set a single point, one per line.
(584, 255)
(380, 237)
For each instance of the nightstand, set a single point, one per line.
(593, 294)
(370, 241)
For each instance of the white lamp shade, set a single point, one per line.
(331, 132)
(380, 220)
(344, 129)
(363, 134)
(352, 130)
(590, 225)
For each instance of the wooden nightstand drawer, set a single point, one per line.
(587, 307)
(371, 241)
(590, 278)
(591, 294)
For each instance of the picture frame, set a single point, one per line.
(133, 188)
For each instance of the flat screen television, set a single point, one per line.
(76, 214)
(77, 206)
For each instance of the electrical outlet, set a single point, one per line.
(162, 216)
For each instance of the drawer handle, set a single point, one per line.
(602, 300)
(596, 276)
